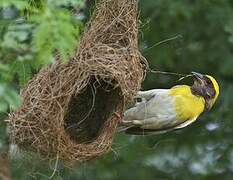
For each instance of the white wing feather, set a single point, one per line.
(158, 104)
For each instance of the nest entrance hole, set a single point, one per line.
(88, 111)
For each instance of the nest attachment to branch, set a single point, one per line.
(71, 111)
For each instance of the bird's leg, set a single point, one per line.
(126, 122)
(137, 122)
(132, 122)
(150, 123)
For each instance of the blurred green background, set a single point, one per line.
(203, 43)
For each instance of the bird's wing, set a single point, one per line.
(141, 131)
(159, 105)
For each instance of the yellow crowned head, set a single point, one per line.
(216, 86)
(207, 87)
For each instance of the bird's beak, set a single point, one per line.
(198, 77)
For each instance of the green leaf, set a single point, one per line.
(23, 70)
(8, 97)
(20, 4)
(55, 31)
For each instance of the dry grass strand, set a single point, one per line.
(107, 66)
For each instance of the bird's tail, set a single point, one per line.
(133, 127)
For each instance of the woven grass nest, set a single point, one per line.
(71, 111)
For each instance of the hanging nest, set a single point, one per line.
(71, 111)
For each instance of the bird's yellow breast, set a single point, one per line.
(187, 105)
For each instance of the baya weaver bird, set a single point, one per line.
(163, 110)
